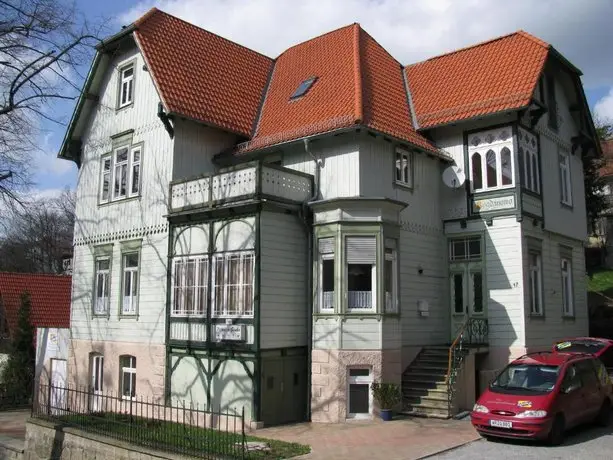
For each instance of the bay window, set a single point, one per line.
(326, 274)
(190, 286)
(361, 269)
(102, 285)
(129, 299)
(233, 277)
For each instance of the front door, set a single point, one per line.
(467, 294)
(97, 382)
(58, 386)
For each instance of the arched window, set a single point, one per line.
(536, 186)
(476, 171)
(506, 167)
(491, 164)
(127, 376)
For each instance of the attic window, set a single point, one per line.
(303, 88)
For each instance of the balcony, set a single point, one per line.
(243, 183)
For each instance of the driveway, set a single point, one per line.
(402, 439)
(587, 442)
(13, 428)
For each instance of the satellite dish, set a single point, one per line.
(454, 177)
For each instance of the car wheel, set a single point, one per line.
(556, 435)
(604, 415)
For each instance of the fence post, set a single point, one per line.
(243, 432)
(49, 398)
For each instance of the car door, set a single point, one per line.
(570, 399)
(591, 391)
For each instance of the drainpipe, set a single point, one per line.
(306, 219)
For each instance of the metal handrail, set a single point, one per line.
(452, 347)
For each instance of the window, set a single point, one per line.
(552, 106)
(465, 249)
(491, 159)
(190, 286)
(535, 284)
(361, 253)
(121, 174)
(97, 371)
(457, 292)
(102, 287)
(404, 167)
(127, 370)
(129, 301)
(359, 402)
(326, 274)
(568, 308)
(390, 277)
(572, 379)
(233, 284)
(126, 85)
(303, 88)
(565, 184)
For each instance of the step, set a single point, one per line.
(432, 359)
(427, 392)
(434, 368)
(424, 375)
(419, 384)
(417, 401)
(424, 411)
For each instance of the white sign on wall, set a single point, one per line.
(494, 204)
(53, 341)
(234, 332)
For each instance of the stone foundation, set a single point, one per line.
(330, 370)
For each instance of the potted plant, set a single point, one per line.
(387, 396)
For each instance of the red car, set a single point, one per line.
(541, 395)
(600, 348)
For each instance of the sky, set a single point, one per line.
(411, 30)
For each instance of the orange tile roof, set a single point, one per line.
(486, 78)
(201, 75)
(358, 83)
(49, 295)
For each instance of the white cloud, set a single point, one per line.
(46, 160)
(411, 30)
(604, 107)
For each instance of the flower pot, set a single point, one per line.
(386, 415)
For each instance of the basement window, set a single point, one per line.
(304, 87)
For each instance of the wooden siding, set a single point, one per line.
(283, 295)
(326, 332)
(192, 332)
(391, 333)
(532, 205)
(542, 331)
(360, 334)
(148, 325)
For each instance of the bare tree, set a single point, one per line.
(39, 236)
(43, 46)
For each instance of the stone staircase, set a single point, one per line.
(424, 391)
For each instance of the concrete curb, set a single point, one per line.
(449, 449)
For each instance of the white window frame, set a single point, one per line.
(359, 380)
(403, 175)
(568, 304)
(130, 308)
(322, 304)
(132, 166)
(97, 372)
(220, 310)
(200, 291)
(391, 300)
(106, 274)
(128, 83)
(129, 369)
(483, 151)
(373, 274)
(535, 278)
(566, 194)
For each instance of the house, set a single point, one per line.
(276, 234)
(601, 236)
(49, 315)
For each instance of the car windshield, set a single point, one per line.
(580, 346)
(526, 378)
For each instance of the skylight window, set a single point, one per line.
(304, 87)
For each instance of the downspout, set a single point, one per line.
(306, 219)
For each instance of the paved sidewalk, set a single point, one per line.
(403, 439)
(13, 429)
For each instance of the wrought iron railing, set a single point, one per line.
(474, 331)
(185, 429)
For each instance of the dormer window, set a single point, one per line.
(304, 87)
(126, 85)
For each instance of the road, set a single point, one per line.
(589, 442)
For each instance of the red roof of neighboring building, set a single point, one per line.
(494, 76)
(201, 75)
(607, 157)
(49, 295)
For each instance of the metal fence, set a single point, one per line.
(181, 428)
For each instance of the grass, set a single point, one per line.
(601, 281)
(177, 437)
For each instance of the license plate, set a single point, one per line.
(501, 424)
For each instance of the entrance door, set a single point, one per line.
(58, 386)
(467, 294)
(97, 382)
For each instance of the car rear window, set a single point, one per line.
(526, 379)
(580, 346)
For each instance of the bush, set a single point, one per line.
(387, 395)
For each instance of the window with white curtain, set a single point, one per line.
(326, 274)
(102, 285)
(233, 276)
(190, 286)
(361, 269)
(129, 300)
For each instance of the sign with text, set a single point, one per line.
(494, 204)
(234, 332)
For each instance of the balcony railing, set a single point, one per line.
(360, 300)
(248, 181)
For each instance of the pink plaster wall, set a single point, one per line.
(150, 366)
